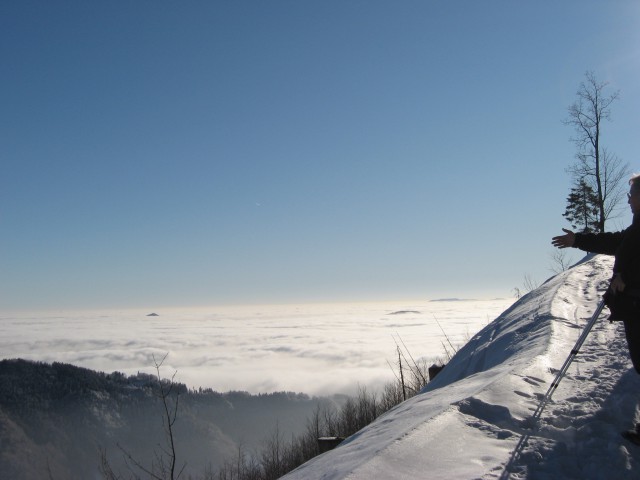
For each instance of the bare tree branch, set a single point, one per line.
(602, 171)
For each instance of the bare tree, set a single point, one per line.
(170, 413)
(596, 166)
(529, 283)
(559, 261)
(163, 467)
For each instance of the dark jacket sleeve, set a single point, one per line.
(627, 258)
(607, 243)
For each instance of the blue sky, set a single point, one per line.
(195, 153)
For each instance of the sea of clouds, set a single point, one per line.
(316, 349)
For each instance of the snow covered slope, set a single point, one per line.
(474, 419)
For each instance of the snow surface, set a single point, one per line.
(475, 419)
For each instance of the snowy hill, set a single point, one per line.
(470, 420)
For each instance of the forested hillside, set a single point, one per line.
(56, 419)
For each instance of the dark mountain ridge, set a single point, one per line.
(56, 419)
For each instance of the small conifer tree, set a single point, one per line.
(582, 207)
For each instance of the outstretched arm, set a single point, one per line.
(564, 241)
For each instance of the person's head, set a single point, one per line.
(634, 194)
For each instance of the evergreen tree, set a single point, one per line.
(583, 208)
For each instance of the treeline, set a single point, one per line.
(28, 385)
(63, 421)
(327, 425)
(56, 419)
(279, 454)
(324, 429)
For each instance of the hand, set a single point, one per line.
(617, 284)
(564, 241)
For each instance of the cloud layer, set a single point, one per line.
(327, 348)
